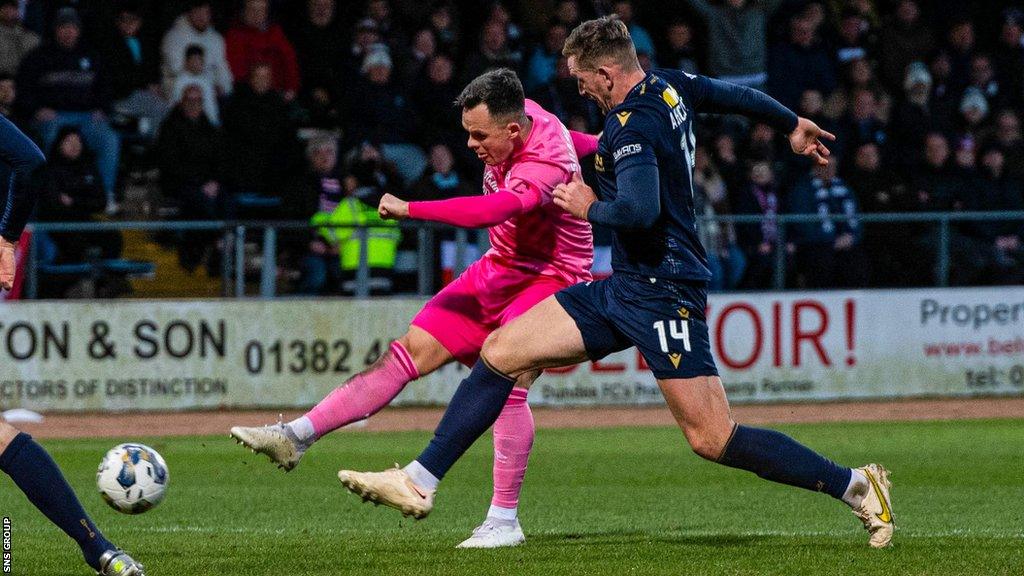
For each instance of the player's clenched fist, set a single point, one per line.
(7, 250)
(575, 197)
(392, 208)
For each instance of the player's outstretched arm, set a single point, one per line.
(463, 211)
(805, 137)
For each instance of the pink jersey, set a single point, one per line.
(545, 240)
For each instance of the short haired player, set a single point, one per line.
(21, 457)
(656, 296)
(537, 249)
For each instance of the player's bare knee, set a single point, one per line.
(497, 353)
(7, 433)
(708, 442)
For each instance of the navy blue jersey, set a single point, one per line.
(653, 127)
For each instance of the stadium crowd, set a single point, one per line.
(313, 109)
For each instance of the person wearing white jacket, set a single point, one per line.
(195, 27)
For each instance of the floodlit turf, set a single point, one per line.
(617, 501)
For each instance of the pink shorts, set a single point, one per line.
(485, 296)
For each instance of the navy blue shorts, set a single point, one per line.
(663, 319)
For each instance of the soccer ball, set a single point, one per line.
(132, 478)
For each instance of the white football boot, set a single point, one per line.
(876, 509)
(393, 488)
(276, 441)
(495, 533)
(117, 563)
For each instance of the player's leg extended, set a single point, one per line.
(700, 407)
(39, 477)
(414, 354)
(546, 336)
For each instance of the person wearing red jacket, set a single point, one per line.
(254, 39)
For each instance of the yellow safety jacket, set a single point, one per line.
(382, 236)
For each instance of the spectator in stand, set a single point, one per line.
(879, 189)
(828, 253)
(562, 98)
(1000, 246)
(983, 77)
(380, 12)
(193, 166)
(8, 97)
(196, 27)
(440, 181)
(913, 117)
(256, 39)
(904, 38)
(738, 39)
(419, 53)
(15, 40)
(499, 13)
(944, 100)
(320, 189)
(134, 65)
(262, 148)
(960, 41)
(381, 113)
(800, 64)
(444, 24)
(862, 123)
(973, 111)
(567, 13)
(432, 96)
(319, 41)
(73, 192)
(365, 39)
(61, 83)
(682, 53)
(725, 258)
(931, 184)
(370, 177)
(1009, 56)
(374, 175)
(641, 38)
(196, 73)
(852, 40)
(493, 53)
(541, 67)
(1007, 136)
(759, 196)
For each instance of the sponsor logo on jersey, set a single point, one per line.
(598, 163)
(623, 117)
(627, 150)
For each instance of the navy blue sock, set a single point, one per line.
(474, 407)
(38, 476)
(774, 456)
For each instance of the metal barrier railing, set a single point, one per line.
(235, 233)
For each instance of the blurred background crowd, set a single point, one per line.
(311, 110)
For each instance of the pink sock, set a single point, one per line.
(365, 393)
(513, 439)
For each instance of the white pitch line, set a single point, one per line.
(661, 535)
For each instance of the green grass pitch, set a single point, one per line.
(614, 501)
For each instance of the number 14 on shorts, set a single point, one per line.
(676, 329)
